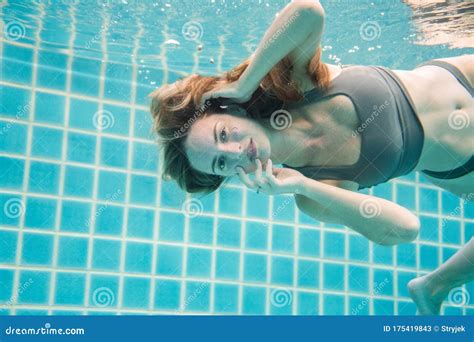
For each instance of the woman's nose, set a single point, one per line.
(236, 151)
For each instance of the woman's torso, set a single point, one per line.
(329, 124)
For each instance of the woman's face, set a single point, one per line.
(218, 143)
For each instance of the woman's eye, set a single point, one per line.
(223, 134)
(221, 163)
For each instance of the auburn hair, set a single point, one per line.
(175, 107)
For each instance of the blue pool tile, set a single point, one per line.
(253, 300)
(257, 206)
(383, 190)
(142, 93)
(103, 291)
(51, 70)
(138, 257)
(226, 298)
(171, 195)
(468, 209)
(8, 244)
(406, 196)
(40, 213)
(468, 231)
(106, 254)
(11, 174)
(201, 230)
(117, 90)
(37, 249)
(334, 245)
(78, 181)
(13, 137)
(451, 232)
(429, 228)
(308, 273)
(255, 267)
(333, 304)
(47, 142)
(283, 209)
(109, 219)
(403, 279)
(382, 254)
(283, 238)
(199, 262)
(428, 257)
(333, 275)
(309, 242)
(120, 123)
(70, 288)
(112, 186)
(406, 255)
(228, 232)
(358, 248)
(44, 177)
(72, 252)
(450, 204)
(75, 216)
(143, 125)
(171, 227)
(113, 152)
(140, 223)
(429, 200)
(227, 265)
(35, 285)
(230, 201)
(198, 296)
(308, 303)
(282, 270)
(17, 64)
(15, 102)
(83, 114)
(169, 260)
(256, 235)
(143, 189)
(81, 147)
(281, 301)
(85, 76)
(145, 157)
(167, 294)
(358, 279)
(6, 286)
(49, 108)
(383, 307)
(13, 208)
(383, 282)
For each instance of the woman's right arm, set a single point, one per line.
(378, 219)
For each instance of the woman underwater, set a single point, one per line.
(345, 128)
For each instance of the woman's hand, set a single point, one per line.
(274, 180)
(235, 92)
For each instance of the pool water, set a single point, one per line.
(87, 225)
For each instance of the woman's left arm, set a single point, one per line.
(296, 32)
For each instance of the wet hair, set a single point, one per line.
(175, 107)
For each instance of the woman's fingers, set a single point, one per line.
(244, 178)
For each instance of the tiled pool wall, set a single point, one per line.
(88, 227)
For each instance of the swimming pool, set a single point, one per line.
(88, 227)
